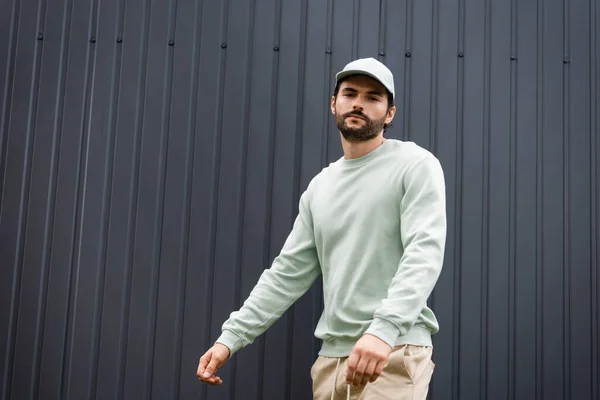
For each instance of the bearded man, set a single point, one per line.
(372, 225)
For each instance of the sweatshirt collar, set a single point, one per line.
(344, 163)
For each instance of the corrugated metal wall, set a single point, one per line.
(152, 154)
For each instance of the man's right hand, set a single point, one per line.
(210, 362)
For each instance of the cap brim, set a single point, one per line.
(344, 74)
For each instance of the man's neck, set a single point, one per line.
(358, 149)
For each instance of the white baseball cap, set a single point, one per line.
(370, 67)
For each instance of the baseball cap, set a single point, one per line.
(370, 67)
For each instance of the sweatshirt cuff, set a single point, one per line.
(384, 330)
(231, 340)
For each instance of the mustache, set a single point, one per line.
(356, 113)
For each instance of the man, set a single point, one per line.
(373, 224)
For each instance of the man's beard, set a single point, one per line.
(369, 130)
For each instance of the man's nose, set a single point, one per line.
(357, 105)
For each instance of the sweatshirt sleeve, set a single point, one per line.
(423, 235)
(292, 273)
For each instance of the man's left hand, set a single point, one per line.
(366, 362)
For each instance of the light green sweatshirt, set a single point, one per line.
(374, 227)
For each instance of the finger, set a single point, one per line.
(369, 370)
(212, 367)
(378, 371)
(360, 371)
(213, 380)
(352, 363)
(204, 360)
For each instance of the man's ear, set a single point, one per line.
(333, 105)
(390, 114)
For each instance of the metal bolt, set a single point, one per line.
(407, 54)
(171, 43)
(381, 53)
(327, 51)
(461, 55)
(224, 46)
(513, 58)
(566, 60)
(93, 39)
(276, 48)
(119, 40)
(40, 36)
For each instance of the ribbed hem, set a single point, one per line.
(231, 340)
(417, 336)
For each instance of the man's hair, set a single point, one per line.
(390, 99)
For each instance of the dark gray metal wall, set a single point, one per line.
(152, 154)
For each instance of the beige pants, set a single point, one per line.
(406, 376)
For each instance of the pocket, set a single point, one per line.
(417, 360)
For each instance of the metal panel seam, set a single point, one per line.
(23, 204)
(9, 79)
(133, 197)
(76, 253)
(594, 226)
(513, 233)
(50, 206)
(567, 205)
(159, 207)
(407, 71)
(539, 287)
(485, 217)
(457, 287)
(186, 223)
(214, 202)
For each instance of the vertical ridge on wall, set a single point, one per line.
(594, 177)
(155, 268)
(328, 72)
(300, 106)
(433, 106)
(355, 28)
(458, 172)
(216, 166)
(407, 69)
(539, 254)
(184, 254)
(50, 207)
(167, 112)
(270, 40)
(9, 80)
(433, 100)
(243, 168)
(133, 201)
(7, 380)
(76, 253)
(567, 203)
(109, 172)
(291, 313)
(485, 213)
(382, 43)
(268, 227)
(297, 187)
(159, 205)
(513, 204)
